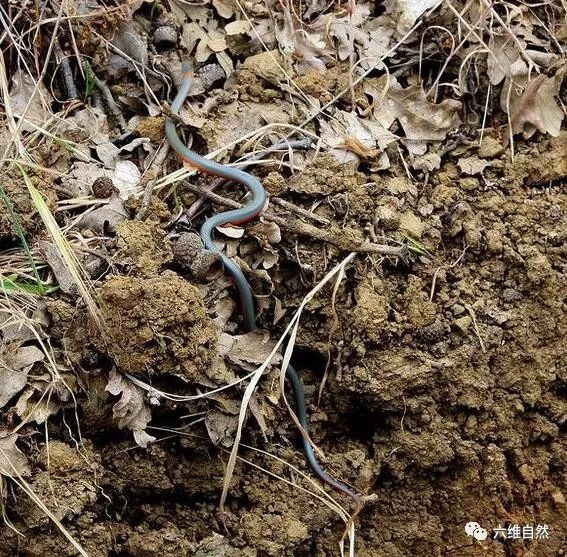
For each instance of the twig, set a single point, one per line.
(340, 239)
(298, 210)
(476, 329)
(145, 205)
(66, 71)
(115, 112)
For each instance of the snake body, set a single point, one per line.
(237, 216)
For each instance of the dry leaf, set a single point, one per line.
(108, 153)
(12, 461)
(237, 27)
(226, 63)
(279, 310)
(14, 370)
(348, 132)
(223, 310)
(217, 44)
(13, 328)
(266, 231)
(267, 65)
(131, 411)
(427, 163)
(142, 438)
(37, 411)
(21, 92)
(536, 108)
(407, 12)
(503, 54)
(251, 348)
(421, 119)
(130, 42)
(472, 165)
(57, 264)
(221, 428)
(233, 232)
(105, 219)
(344, 31)
(225, 8)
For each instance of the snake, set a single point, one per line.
(242, 215)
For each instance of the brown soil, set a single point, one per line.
(447, 395)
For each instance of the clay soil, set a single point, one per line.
(447, 394)
(436, 381)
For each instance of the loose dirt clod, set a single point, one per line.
(160, 325)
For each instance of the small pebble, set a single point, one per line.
(490, 148)
(458, 309)
(165, 35)
(463, 323)
(558, 498)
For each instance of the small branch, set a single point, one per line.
(342, 240)
(66, 71)
(299, 211)
(145, 205)
(107, 97)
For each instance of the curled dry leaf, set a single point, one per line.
(269, 260)
(221, 428)
(267, 231)
(36, 410)
(108, 153)
(126, 178)
(12, 461)
(105, 219)
(279, 310)
(233, 232)
(225, 8)
(535, 108)
(131, 411)
(407, 12)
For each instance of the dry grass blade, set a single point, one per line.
(67, 254)
(153, 391)
(10, 119)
